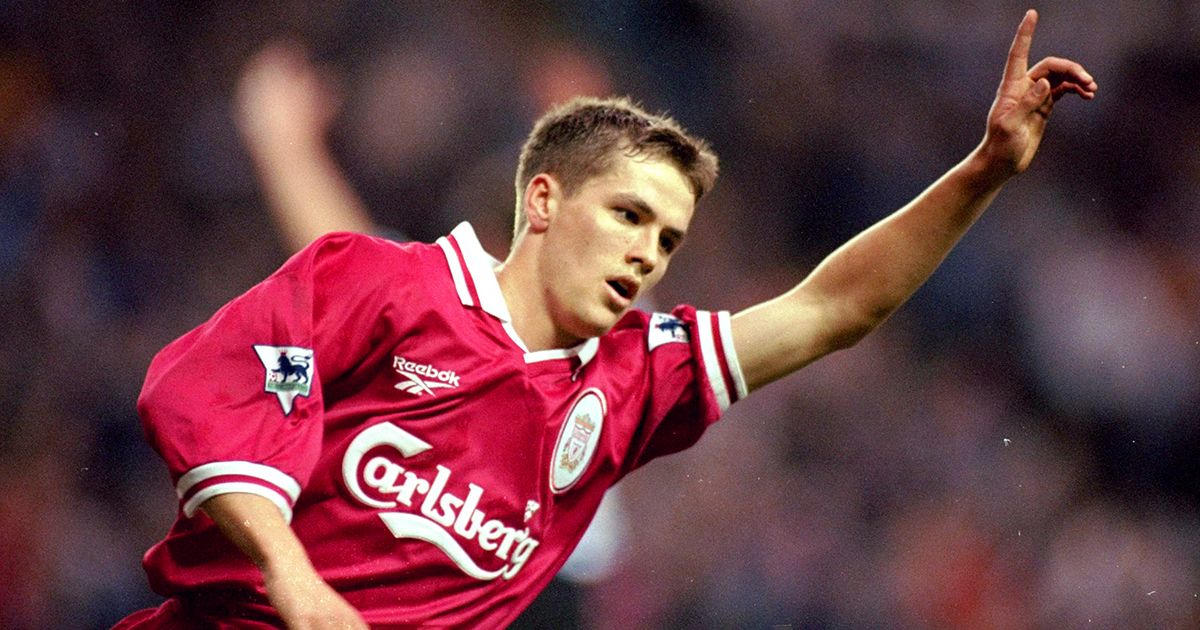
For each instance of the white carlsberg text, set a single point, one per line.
(441, 517)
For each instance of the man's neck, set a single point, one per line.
(522, 287)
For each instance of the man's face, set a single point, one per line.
(611, 241)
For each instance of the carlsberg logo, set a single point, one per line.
(441, 517)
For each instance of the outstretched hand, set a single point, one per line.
(283, 99)
(1025, 98)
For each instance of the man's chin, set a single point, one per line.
(597, 326)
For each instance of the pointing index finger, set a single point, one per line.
(1018, 54)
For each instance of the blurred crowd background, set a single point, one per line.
(1016, 448)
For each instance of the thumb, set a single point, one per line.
(1041, 89)
(1037, 99)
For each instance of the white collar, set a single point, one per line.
(474, 273)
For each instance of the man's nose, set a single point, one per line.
(643, 251)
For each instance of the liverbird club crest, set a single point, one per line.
(577, 439)
(572, 455)
(289, 372)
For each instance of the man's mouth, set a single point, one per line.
(624, 287)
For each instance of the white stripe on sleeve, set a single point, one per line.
(725, 324)
(243, 487)
(268, 474)
(712, 364)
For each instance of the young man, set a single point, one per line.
(418, 434)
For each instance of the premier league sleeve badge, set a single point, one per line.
(289, 372)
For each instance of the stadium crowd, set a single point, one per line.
(1015, 448)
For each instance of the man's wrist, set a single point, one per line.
(286, 148)
(983, 171)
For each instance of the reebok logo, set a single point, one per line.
(422, 378)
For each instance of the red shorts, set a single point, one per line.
(177, 614)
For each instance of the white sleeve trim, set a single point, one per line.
(243, 487)
(725, 325)
(268, 474)
(708, 353)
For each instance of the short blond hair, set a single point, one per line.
(577, 140)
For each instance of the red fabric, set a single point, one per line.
(426, 445)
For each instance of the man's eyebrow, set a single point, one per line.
(644, 208)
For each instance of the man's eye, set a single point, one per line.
(629, 215)
(668, 245)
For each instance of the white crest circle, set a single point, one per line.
(577, 439)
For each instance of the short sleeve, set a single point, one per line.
(694, 376)
(235, 405)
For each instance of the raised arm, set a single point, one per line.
(861, 283)
(283, 113)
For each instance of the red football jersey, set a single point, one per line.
(435, 470)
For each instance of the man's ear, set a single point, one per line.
(542, 197)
